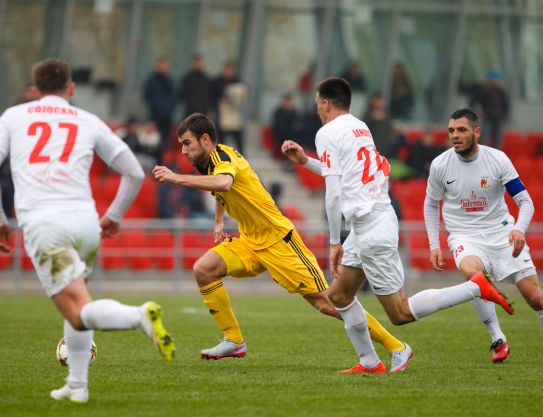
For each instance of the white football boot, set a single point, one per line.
(400, 358)
(75, 395)
(225, 349)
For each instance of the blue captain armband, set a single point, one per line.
(514, 187)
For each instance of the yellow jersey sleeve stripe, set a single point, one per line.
(214, 158)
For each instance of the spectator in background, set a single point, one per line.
(129, 134)
(150, 139)
(286, 123)
(143, 140)
(401, 93)
(305, 87)
(311, 123)
(194, 88)
(380, 124)
(159, 95)
(229, 95)
(354, 76)
(492, 101)
(422, 153)
(181, 202)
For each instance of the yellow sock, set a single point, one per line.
(218, 303)
(381, 335)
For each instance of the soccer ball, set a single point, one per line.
(62, 352)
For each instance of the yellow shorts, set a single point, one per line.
(288, 262)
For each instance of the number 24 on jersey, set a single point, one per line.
(365, 154)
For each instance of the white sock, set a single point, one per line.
(429, 301)
(356, 326)
(110, 315)
(540, 315)
(486, 311)
(79, 345)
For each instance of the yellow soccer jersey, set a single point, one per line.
(248, 202)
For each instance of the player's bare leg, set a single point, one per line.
(531, 291)
(486, 311)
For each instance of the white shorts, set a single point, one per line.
(62, 245)
(495, 253)
(372, 245)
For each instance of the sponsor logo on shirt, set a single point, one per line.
(485, 183)
(473, 203)
(325, 158)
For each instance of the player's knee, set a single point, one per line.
(535, 300)
(204, 273)
(340, 299)
(76, 322)
(398, 318)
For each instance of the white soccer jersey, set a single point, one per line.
(346, 148)
(51, 146)
(472, 192)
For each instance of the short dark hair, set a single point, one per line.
(468, 114)
(51, 75)
(337, 90)
(198, 124)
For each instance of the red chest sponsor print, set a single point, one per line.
(474, 203)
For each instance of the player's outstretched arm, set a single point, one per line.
(220, 182)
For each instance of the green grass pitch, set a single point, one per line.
(290, 369)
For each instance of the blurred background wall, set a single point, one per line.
(447, 48)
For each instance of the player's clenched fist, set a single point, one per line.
(163, 174)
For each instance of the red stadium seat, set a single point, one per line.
(534, 142)
(413, 134)
(309, 179)
(134, 243)
(111, 256)
(98, 167)
(441, 136)
(6, 260)
(318, 244)
(292, 213)
(194, 245)
(513, 144)
(525, 167)
(267, 138)
(419, 252)
(163, 243)
(146, 203)
(535, 243)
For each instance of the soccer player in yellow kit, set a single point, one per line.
(268, 240)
